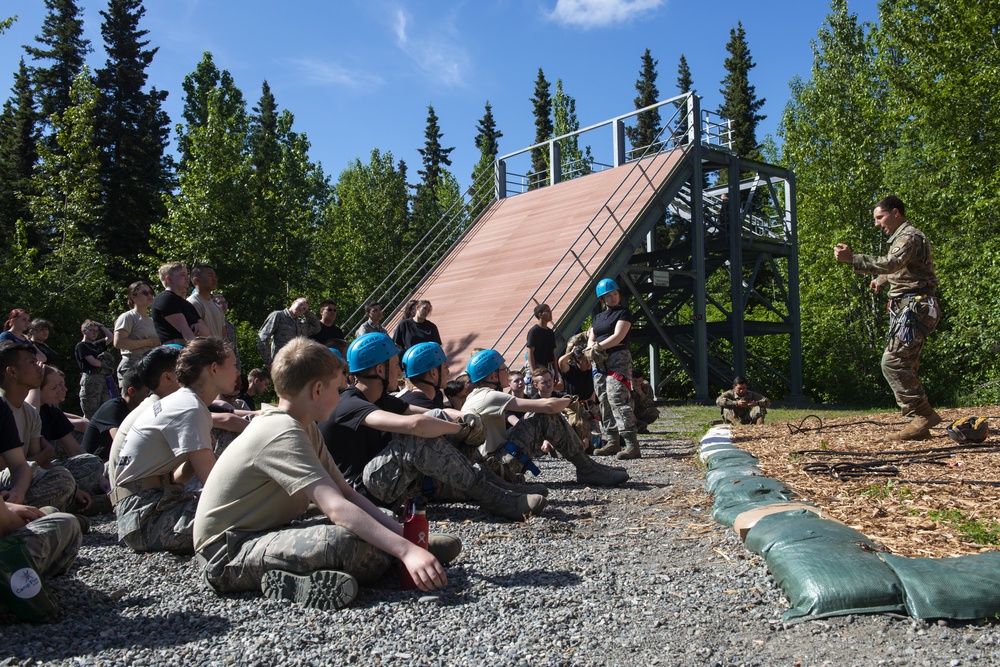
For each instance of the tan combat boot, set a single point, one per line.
(920, 426)
(507, 504)
(609, 449)
(516, 487)
(592, 473)
(631, 451)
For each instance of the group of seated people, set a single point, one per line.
(313, 482)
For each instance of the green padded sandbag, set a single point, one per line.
(823, 568)
(747, 493)
(734, 457)
(964, 588)
(723, 476)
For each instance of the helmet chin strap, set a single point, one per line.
(437, 387)
(376, 376)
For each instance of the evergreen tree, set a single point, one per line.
(542, 105)
(206, 81)
(133, 132)
(18, 153)
(484, 173)
(684, 86)
(647, 128)
(740, 103)
(61, 42)
(427, 209)
(574, 162)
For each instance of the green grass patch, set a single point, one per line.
(976, 531)
(887, 490)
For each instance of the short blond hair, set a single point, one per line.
(169, 268)
(302, 362)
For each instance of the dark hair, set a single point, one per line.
(40, 323)
(338, 344)
(197, 269)
(199, 355)
(8, 354)
(326, 303)
(133, 290)
(454, 387)
(541, 308)
(131, 380)
(739, 379)
(891, 202)
(159, 360)
(369, 305)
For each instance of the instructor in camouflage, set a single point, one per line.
(908, 270)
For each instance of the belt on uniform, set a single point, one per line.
(126, 489)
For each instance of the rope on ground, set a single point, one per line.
(888, 463)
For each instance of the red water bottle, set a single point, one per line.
(415, 529)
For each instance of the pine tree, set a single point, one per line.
(206, 80)
(646, 132)
(740, 102)
(61, 42)
(18, 153)
(484, 173)
(542, 104)
(132, 133)
(427, 209)
(684, 85)
(574, 162)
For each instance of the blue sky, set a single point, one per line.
(359, 75)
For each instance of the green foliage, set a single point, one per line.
(541, 104)
(62, 43)
(887, 490)
(647, 128)
(574, 161)
(977, 531)
(740, 102)
(684, 85)
(428, 209)
(484, 173)
(18, 153)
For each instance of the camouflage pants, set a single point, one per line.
(87, 471)
(52, 541)
(239, 561)
(398, 471)
(744, 416)
(529, 434)
(93, 392)
(617, 418)
(901, 359)
(158, 520)
(49, 488)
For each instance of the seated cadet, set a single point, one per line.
(740, 406)
(101, 431)
(425, 367)
(385, 448)
(24, 480)
(265, 480)
(168, 447)
(488, 373)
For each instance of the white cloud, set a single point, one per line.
(328, 73)
(600, 13)
(436, 52)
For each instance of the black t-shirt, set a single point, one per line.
(410, 332)
(418, 399)
(9, 436)
(97, 438)
(52, 358)
(605, 322)
(351, 443)
(54, 423)
(83, 350)
(327, 334)
(168, 303)
(579, 382)
(543, 340)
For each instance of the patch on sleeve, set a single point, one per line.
(896, 250)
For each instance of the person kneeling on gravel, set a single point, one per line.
(387, 449)
(246, 531)
(488, 373)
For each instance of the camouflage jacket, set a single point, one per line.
(909, 266)
(280, 328)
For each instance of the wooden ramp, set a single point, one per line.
(545, 246)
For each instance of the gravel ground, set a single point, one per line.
(633, 575)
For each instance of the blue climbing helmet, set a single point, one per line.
(421, 358)
(483, 364)
(337, 353)
(606, 286)
(370, 350)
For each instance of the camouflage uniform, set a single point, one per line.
(54, 487)
(87, 471)
(52, 541)
(728, 400)
(238, 561)
(158, 520)
(642, 403)
(280, 328)
(617, 418)
(908, 270)
(398, 471)
(94, 388)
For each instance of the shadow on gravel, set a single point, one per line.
(534, 578)
(144, 630)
